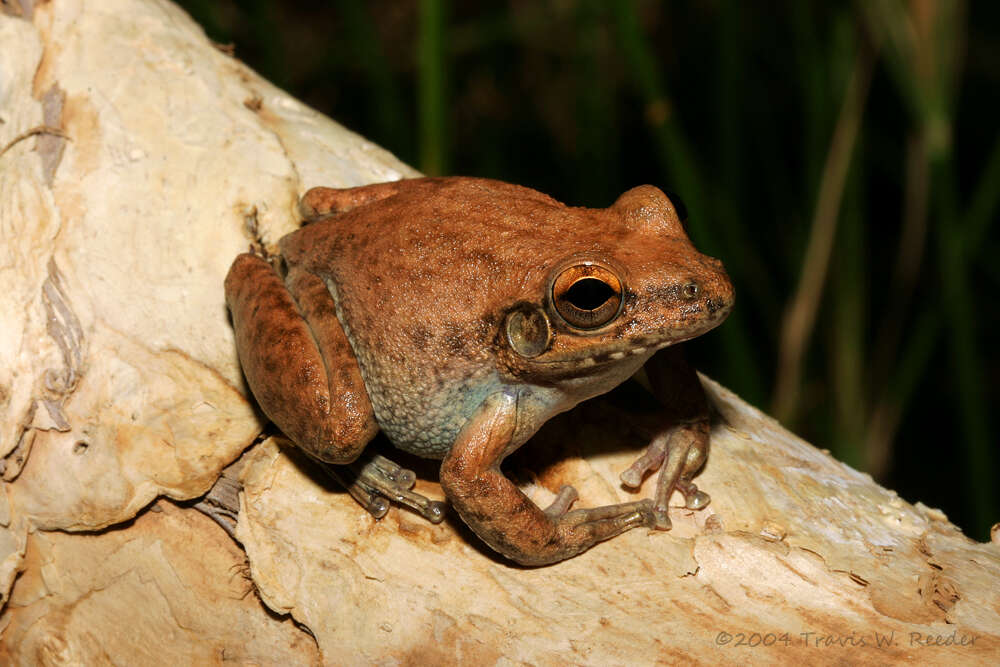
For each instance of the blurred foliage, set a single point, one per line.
(841, 158)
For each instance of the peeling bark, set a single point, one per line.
(156, 159)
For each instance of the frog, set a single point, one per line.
(457, 315)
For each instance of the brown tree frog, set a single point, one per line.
(458, 315)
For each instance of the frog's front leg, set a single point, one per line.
(298, 361)
(502, 516)
(679, 451)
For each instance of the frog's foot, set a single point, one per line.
(557, 537)
(581, 529)
(376, 481)
(678, 454)
(685, 456)
(564, 499)
(651, 459)
(694, 499)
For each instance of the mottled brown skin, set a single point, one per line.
(458, 315)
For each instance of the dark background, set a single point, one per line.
(841, 158)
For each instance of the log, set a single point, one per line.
(136, 160)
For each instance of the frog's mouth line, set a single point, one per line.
(613, 352)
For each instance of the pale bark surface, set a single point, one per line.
(119, 383)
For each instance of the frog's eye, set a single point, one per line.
(587, 296)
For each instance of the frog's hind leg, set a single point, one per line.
(305, 376)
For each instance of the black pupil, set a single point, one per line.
(588, 293)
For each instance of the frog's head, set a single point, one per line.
(638, 285)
